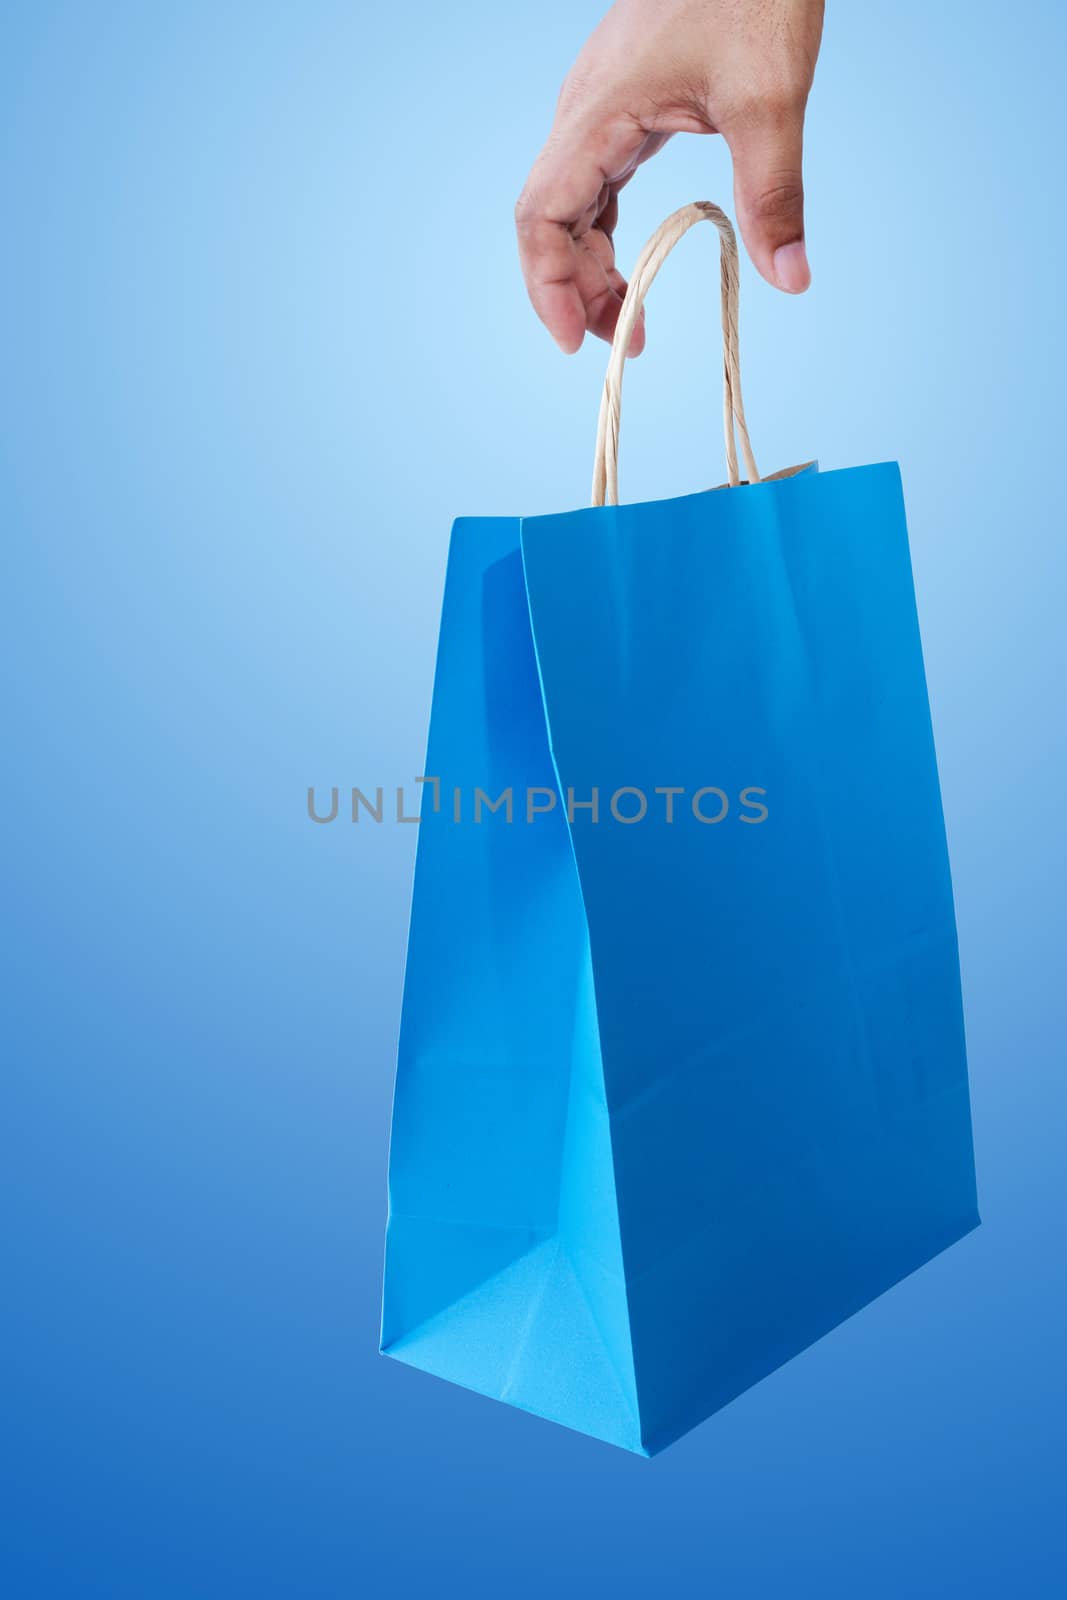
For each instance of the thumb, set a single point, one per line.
(769, 196)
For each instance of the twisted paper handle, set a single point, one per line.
(652, 257)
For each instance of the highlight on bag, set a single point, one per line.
(672, 1101)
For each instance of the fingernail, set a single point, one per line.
(791, 270)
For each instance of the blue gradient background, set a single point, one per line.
(263, 336)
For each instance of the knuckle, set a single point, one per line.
(780, 200)
(777, 105)
(574, 89)
(785, 103)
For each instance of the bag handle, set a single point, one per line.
(652, 257)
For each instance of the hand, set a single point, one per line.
(742, 68)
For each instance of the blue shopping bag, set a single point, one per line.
(682, 1080)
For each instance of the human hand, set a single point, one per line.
(742, 68)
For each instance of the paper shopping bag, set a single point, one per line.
(682, 1080)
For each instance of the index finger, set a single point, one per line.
(561, 200)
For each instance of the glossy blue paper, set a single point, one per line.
(675, 1098)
